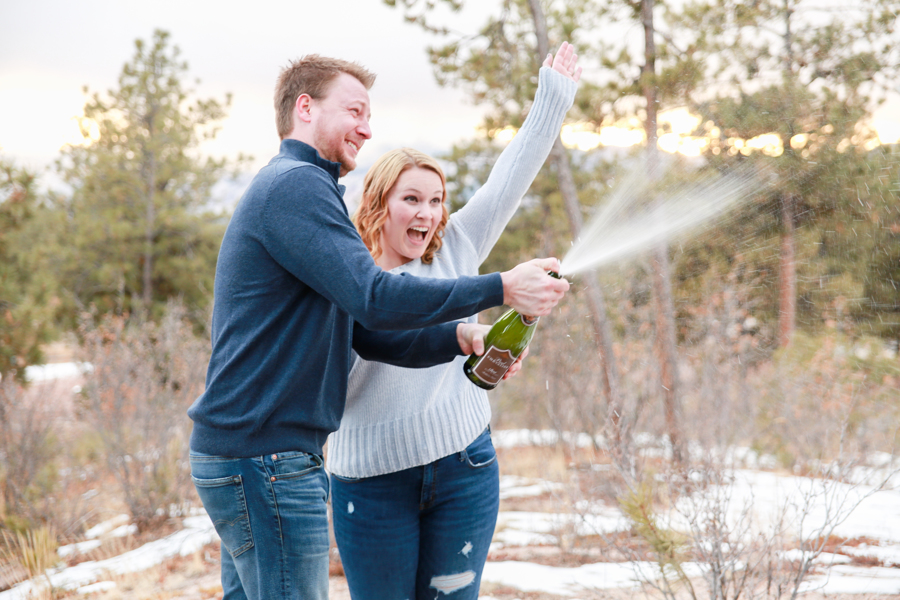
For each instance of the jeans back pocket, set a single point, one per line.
(291, 465)
(226, 505)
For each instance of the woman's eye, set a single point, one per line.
(435, 200)
(411, 199)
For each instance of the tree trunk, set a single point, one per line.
(596, 302)
(662, 287)
(149, 168)
(787, 279)
(787, 274)
(149, 228)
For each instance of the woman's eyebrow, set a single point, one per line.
(418, 191)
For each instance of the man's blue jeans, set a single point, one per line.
(271, 514)
(421, 532)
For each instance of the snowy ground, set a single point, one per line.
(864, 512)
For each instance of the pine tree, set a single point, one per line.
(137, 230)
(26, 291)
(811, 74)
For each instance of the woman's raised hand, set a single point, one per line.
(565, 62)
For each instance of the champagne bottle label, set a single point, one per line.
(493, 365)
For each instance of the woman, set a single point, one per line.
(415, 482)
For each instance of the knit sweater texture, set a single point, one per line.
(291, 278)
(396, 418)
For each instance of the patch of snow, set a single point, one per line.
(515, 438)
(888, 555)
(569, 581)
(824, 558)
(847, 579)
(100, 586)
(512, 486)
(57, 371)
(197, 532)
(520, 528)
(78, 548)
(877, 474)
(514, 537)
(810, 503)
(106, 526)
(124, 531)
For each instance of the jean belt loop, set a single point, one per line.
(268, 463)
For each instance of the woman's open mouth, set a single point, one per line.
(417, 234)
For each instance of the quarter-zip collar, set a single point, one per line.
(303, 152)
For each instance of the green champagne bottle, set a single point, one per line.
(504, 343)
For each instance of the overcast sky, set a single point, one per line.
(50, 49)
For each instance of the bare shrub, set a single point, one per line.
(723, 345)
(28, 452)
(145, 375)
(711, 531)
(817, 399)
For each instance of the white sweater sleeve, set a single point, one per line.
(485, 215)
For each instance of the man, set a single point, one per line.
(292, 277)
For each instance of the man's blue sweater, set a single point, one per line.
(291, 278)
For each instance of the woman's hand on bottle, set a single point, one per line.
(516, 366)
(471, 341)
(471, 337)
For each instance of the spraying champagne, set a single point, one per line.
(504, 343)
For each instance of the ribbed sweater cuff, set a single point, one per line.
(558, 91)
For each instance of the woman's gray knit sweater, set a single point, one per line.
(396, 418)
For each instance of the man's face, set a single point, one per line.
(341, 121)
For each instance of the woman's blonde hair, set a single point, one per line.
(372, 211)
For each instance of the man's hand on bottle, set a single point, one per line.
(471, 340)
(528, 289)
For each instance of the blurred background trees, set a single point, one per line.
(118, 264)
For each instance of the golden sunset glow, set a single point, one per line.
(769, 144)
(888, 131)
(87, 132)
(621, 136)
(679, 120)
(505, 135)
(676, 126)
(583, 136)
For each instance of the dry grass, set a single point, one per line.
(551, 463)
(34, 550)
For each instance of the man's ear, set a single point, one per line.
(303, 107)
